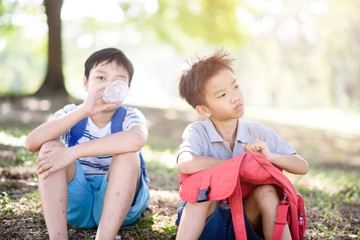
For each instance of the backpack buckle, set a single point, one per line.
(284, 200)
(203, 195)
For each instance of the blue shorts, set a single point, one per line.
(86, 199)
(219, 225)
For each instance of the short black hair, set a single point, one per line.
(108, 55)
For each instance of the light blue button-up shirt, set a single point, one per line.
(201, 138)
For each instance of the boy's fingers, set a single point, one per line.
(42, 155)
(40, 158)
(45, 175)
(39, 171)
(48, 172)
(244, 147)
(40, 163)
(42, 168)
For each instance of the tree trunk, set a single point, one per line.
(54, 80)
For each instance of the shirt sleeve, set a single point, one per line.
(192, 140)
(133, 117)
(65, 110)
(275, 143)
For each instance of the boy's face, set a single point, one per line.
(105, 73)
(223, 96)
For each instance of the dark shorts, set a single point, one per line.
(219, 225)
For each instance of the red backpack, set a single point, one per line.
(235, 179)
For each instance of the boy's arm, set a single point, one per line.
(189, 163)
(291, 163)
(55, 128)
(131, 140)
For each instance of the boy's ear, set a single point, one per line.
(85, 82)
(203, 111)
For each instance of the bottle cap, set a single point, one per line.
(116, 92)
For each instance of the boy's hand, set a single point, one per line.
(94, 103)
(258, 146)
(53, 159)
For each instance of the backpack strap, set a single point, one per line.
(118, 120)
(77, 131)
(117, 126)
(281, 216)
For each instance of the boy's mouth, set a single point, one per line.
(238, 106)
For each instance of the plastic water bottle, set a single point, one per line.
(116, 92)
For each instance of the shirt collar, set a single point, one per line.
(242, 134)
(211, 131)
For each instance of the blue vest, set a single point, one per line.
(78, 130)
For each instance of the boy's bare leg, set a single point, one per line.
(124, 182)
(53, 195)
(193, 219)
(261, 207)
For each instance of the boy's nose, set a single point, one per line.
(235, 98)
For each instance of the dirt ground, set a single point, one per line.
(25, 221)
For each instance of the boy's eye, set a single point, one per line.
(222, 95)
(100, 77)
(236, 86)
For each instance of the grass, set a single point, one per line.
(330, 189)
(6, 204)
(327, 189)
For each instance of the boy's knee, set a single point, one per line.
(266, 193)
(207, 207)
(127, 159)
(50, 144)
(129, 162)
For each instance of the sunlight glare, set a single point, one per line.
(244, 16)
(260, 27)
(151, 6)
(194, 8)
(319, 8)
(8, 139)
(255, 3)
(33, 31)
(3, 44)
(85, 40)
(274, 6)
(109, 11)
(288, 30)
(309, 33)
(33, 26)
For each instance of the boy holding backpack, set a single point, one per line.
(91, 173)
(210, 87)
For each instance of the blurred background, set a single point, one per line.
(289, 54)
(298, 62)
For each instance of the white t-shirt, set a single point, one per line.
(98, 165)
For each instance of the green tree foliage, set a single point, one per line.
(291, 53)
(22, 49)
(181, 23)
